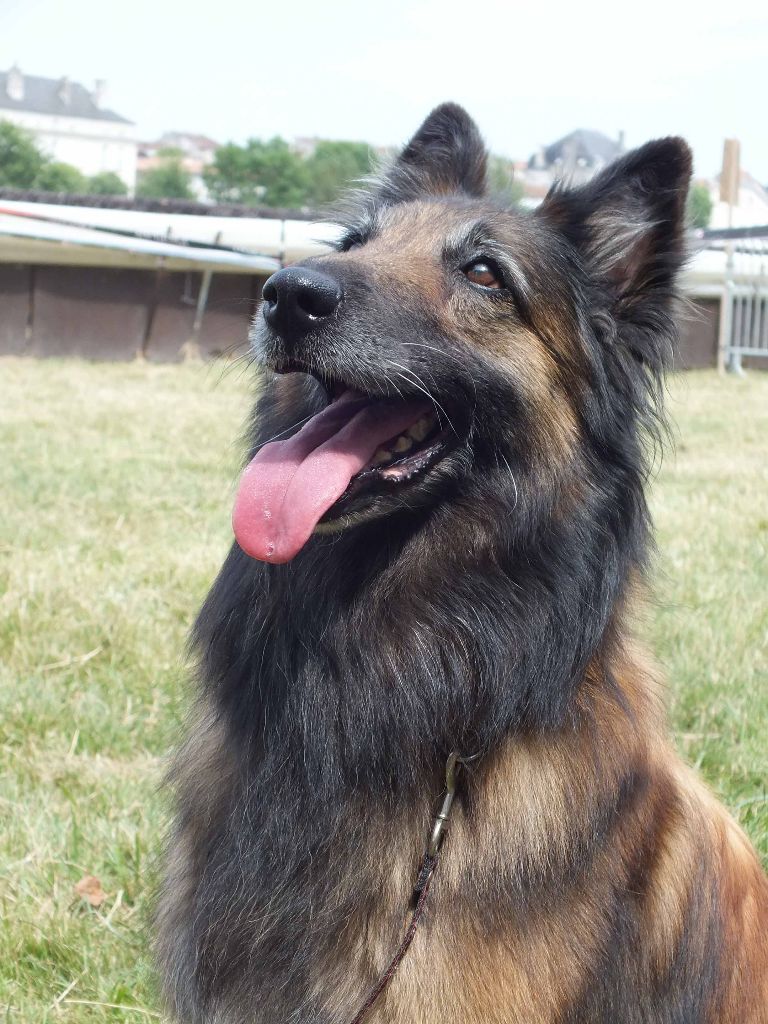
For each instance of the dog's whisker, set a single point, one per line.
(388, 380)
(421, 386)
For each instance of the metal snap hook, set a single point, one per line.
(440, 824)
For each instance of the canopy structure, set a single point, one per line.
(96, 280)
(32, 237)
(93, 236)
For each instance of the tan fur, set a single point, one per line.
(532, 804)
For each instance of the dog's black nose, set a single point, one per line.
(297, 299)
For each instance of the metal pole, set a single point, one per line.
(191, 349)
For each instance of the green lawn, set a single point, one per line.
(117, 485)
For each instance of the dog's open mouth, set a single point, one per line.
(357, 445)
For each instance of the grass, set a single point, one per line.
(116, 483)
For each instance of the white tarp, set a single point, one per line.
(262, 242)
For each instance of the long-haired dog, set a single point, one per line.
(440, 534)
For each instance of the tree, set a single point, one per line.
(335, 166)
(169, 179)
(107, 183)
(20, 159)
(501, 181)
(58, 177)
(23, 165)
(258, 174)
(699, 206)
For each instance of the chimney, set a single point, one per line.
(14, 83)
(97, 95)
(64, 91)
(621, 141)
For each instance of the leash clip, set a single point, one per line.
(440, 824)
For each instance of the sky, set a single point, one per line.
(528, 72)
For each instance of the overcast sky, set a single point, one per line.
(528, 72)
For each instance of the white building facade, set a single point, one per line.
(70, 124)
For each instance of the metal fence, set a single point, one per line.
(744, 310)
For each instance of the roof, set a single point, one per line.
(80, 234)
(26, 238)
(44, 96)
(593, 148)
(191, 138)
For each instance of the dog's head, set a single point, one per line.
(453, 347)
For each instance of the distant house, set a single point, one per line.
(579, 155)
(70, 123)
(576, 157)
(197, 153)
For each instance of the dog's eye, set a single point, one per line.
(482, 273)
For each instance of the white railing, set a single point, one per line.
(744, 310)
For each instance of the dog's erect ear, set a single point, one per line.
(445, 156)
(628, 223)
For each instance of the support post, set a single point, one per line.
(726, 312)
(191, 348)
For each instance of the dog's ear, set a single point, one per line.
(628, 223)
(445, 156)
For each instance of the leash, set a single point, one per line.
(423, 880)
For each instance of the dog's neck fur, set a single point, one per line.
(353, 778)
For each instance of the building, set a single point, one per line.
(197, 153)
(70, 123)
(576, 157)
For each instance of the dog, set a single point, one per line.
(441, 535)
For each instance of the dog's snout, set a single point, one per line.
(297, 299)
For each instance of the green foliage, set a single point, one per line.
(107, 183)
(699, 206)
(334, 167)
(271, 173)
(20, 159)
(23, 165)
(258, 174)
(59, 177)
(502, 184)
(167, 180)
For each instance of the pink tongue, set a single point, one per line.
(289, 485)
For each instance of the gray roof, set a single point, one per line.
(593, 148)
(43, 96)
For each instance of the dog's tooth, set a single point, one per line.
(420, 429)
(380, 456)
(403, 443)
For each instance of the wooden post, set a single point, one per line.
(730, 179)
